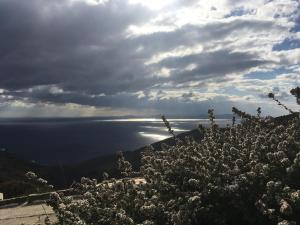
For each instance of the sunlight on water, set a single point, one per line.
(163, 128)
(132, 120)
(159, 120)
(72, 140)
(155, 137)
(151, 120)
(154, 127)
(179, 130)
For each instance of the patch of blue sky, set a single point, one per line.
(286, 45)
(240, 11)
(296, 28)
(267, 75)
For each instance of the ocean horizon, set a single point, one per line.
(70, 140)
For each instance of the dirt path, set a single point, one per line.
(25, 214)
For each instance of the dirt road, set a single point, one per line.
(26, 214)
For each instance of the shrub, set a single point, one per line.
(247, 173)
(40, 185)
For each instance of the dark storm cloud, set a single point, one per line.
(211, 64)
(82, 49)
(74, 45)
(43, 94)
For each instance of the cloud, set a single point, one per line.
(77, 46)
(125, 54)
(190, 35)
(211, 64)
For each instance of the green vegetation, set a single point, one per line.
(247, 173)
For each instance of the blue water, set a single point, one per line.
(52, 141)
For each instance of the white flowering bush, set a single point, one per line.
(247, 173)
(40, 184)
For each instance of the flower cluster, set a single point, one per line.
(40, 184)
(247, 173)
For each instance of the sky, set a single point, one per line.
(142, 58)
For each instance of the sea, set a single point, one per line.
(70, 140)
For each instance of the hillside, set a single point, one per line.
(12, 179)
(14, 183)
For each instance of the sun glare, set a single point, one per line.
(153, 4)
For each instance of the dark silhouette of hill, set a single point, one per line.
(12, 175)
(12, 169)
(94, 168)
